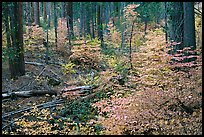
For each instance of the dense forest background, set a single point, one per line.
(102, 68)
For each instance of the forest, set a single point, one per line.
(101, 68)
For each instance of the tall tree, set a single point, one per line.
(32, 12)
(70, 17)
(49, 13)
(14, 12)
(81, 19)
(93, 18)
(189, 25)
(44, 12)
(176, 24)
(99, 24)
(36, 13)
(88, 18)
(165, 20)
(55, 23)
(123, 27)
(62, 11)
(85, 22)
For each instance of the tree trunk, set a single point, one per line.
(85, 23)
(55, 23)
(130, 55)
(45, 12)
(123, 27)
(32, 12)
(81, 19)
(88, 19)
(145, 28)
(176, 18)
(166, 34)
(49, 13)
(100, 27)
(189, 25)
(29, 18)
(68, 23)
(8, 30)
(70, 17)
(99, 21)
(17, 65)
(36, 13)
(92, 20)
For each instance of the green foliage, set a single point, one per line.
(114, 35)
(158, 31)
(90, 80)
(122, 68)
(9, 53)
(4, 54)
(150, 10)
(94, 42)
(109, 50)
(83, 111)
(43, 24)
(137, 41)
(68, 68)
(24, 29)
(118, 65)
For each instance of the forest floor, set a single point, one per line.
(150, 99)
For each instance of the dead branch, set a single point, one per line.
(56, 63)
(79, 88)
(12, 122)
(34, 63)
(40, 106)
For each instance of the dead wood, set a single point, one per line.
(40, 106)
(34, 63)
(82, 88)
(30, 93)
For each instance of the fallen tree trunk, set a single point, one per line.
(34, 63)
(77, 88)
(29, 93)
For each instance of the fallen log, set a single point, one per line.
(30, 93)
(34, 63)
(82, 88)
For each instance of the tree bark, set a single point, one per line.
(177, 23)
(45, 11)
(85, 22)
(29, 93)
(99, 23)
(49, 13)
(32, 12)
(88, 19)
(36, 13)
(189, 25)
(92, 20)
(17, 65)
(166, 34)
(55, 23)
(130, 54)
(70, 17)
(81, 20)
